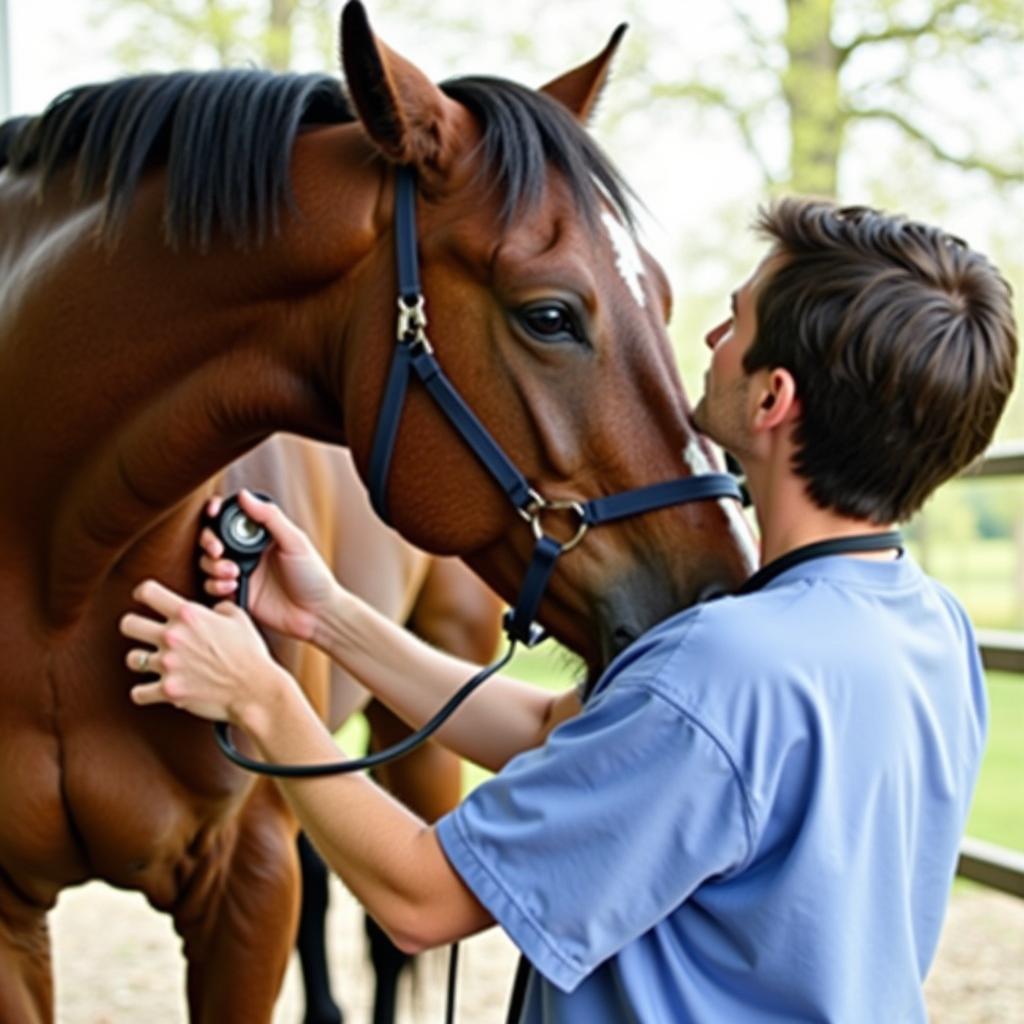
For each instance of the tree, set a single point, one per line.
(835, 64)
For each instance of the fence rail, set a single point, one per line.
(992, 865)
(1000, 460)
(1002, 651)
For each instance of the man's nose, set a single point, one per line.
(713, 336)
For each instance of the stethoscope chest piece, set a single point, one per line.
(243, 538)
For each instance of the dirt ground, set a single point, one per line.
(118, 962)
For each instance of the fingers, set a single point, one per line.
(220, 588)
(140, 660)
(138, 627)
(162, 600)
(220, 568)
(282, 529)
(213, 506)
(222, 575)
(149, 693)
(211, 544)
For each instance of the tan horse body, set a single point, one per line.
(132, 372)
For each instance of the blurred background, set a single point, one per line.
(912, 105)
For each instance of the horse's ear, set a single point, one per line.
(407, 116)
(580, 89)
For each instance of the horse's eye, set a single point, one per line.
(551, 321)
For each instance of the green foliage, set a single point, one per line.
(167, 34)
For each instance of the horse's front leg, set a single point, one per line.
(26, 978)
(237, 915)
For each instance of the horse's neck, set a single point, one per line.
(135, 495)
(168, 367)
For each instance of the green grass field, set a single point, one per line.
(998, 811)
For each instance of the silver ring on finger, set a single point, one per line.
(143, 661)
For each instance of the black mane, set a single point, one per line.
(226, 139)
(524, 130)
(224, 136)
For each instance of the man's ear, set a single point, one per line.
(580, 89)
(408, 118)
(777, 400)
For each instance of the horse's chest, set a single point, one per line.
(91, 785)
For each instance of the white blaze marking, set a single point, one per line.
(627, 257)
(698, 462)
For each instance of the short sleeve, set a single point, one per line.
(582, 845)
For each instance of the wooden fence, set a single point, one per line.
(992, 865)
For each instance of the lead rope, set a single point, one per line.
(453, 970)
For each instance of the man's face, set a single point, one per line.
(723, 412)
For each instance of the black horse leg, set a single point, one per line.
(388, 961)
(312, 940)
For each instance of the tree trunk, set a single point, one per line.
(220, 35)
(810, 85)
(278, 48)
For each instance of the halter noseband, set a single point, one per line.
(414, 355)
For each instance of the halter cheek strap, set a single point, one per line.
(414, 356)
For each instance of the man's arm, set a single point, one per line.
(501, 719)
(390, 859)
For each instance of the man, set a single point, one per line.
(755, 815)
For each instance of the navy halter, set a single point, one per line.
(414, 355)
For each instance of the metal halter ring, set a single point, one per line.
(537, 510)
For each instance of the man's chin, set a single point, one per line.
(699, 419)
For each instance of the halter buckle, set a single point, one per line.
(537, 508)
(412, 321)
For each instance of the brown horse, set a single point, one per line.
(190, 263)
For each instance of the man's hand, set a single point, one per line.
(292, 586)
(211, 662)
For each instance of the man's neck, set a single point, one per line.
(789, 519)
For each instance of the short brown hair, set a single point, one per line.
(902, 344)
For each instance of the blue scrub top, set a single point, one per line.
(755, 817)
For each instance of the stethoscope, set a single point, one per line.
(244, 542)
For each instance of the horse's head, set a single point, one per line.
(550, 320)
